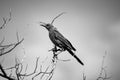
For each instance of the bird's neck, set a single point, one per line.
(53, 28)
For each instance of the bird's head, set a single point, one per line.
(48, 26)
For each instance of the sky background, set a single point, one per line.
(92, 26)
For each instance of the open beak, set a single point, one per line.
(42, 24)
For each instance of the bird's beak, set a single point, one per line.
(42, 24)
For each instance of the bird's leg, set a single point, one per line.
(54, 49)
(60, 50)
(54, 53)
(57, 51)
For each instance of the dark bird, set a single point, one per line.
(59, 40)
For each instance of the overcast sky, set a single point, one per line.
(92, 26)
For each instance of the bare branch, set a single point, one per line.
(14, 46)
(10, 13)
(57, 17)
(103, 73)
(45, 72)
(84, 77)
(6, 20)
(33, 71)
(3, 70)
(4, 75)
(2, 41)
(17, 36)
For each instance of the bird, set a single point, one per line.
(59, 40)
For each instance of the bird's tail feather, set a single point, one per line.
(75, 56)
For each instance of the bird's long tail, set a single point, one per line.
(70, 51)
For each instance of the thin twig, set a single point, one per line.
(103, 72)
(57, 17)
(5, 20)
(16, 44)
(33, 71)
(4, 75)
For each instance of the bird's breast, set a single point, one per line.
(54, 40)
(52, 37)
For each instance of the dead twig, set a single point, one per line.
(3, 52)
(6, 20)
(4, 75)
(57, 17)
(12, 46)
(103, 73)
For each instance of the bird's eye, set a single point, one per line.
(47, 24)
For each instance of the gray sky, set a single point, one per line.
(92, 26)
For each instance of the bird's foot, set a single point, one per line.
(53, 49)
(56, 50)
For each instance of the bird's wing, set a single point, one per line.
(63, 40)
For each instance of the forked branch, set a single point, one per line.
(6, 20)
(103, 72)
(3, 48)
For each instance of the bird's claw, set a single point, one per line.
(53, 49)
(56, 50)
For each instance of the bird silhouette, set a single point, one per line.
(59, 40)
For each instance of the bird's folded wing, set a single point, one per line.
(63, 40)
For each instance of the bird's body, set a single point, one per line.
(60, 41)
